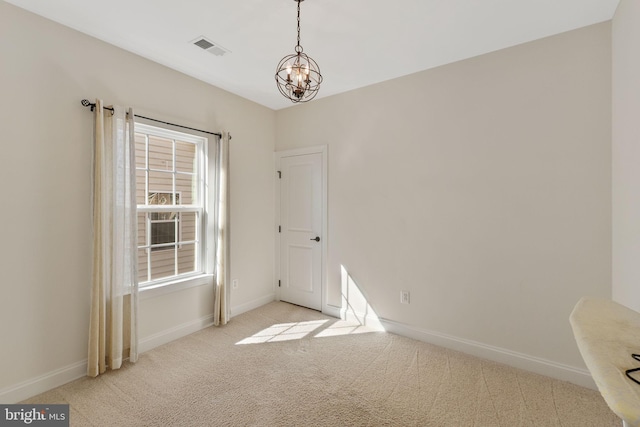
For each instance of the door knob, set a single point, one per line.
(317, 239)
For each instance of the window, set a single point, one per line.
(170, 177)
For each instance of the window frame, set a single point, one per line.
(203, 238)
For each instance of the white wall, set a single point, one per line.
(483, 187)
(626, 154)
(45, 165)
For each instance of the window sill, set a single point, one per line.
(174, 286)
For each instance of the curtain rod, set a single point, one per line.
(87, 103)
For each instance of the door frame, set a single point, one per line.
(320, 149)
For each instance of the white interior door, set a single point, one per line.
(301, 222)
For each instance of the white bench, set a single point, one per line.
(608, 334)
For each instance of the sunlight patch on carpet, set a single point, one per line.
(358, 317)
(284, 332)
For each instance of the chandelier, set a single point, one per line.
(298, 75)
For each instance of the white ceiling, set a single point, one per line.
(355, 42)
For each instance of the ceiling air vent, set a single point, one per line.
(210, 46)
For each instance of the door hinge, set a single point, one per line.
(279, 174)
(279, 284)
(279, 229)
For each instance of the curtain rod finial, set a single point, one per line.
(87, 103)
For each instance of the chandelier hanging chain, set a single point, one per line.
(298, 47)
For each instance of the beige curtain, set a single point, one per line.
(114, 291)
(220, 306)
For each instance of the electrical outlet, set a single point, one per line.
(234, 283)
(404, 297)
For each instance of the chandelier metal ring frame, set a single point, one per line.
(298, 75)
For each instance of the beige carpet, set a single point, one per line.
(296, 367)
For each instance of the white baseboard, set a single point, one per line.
(42, 383)
(331, 310)
(253, 304)
(61, 376)
(174, 333)
(574, 375)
